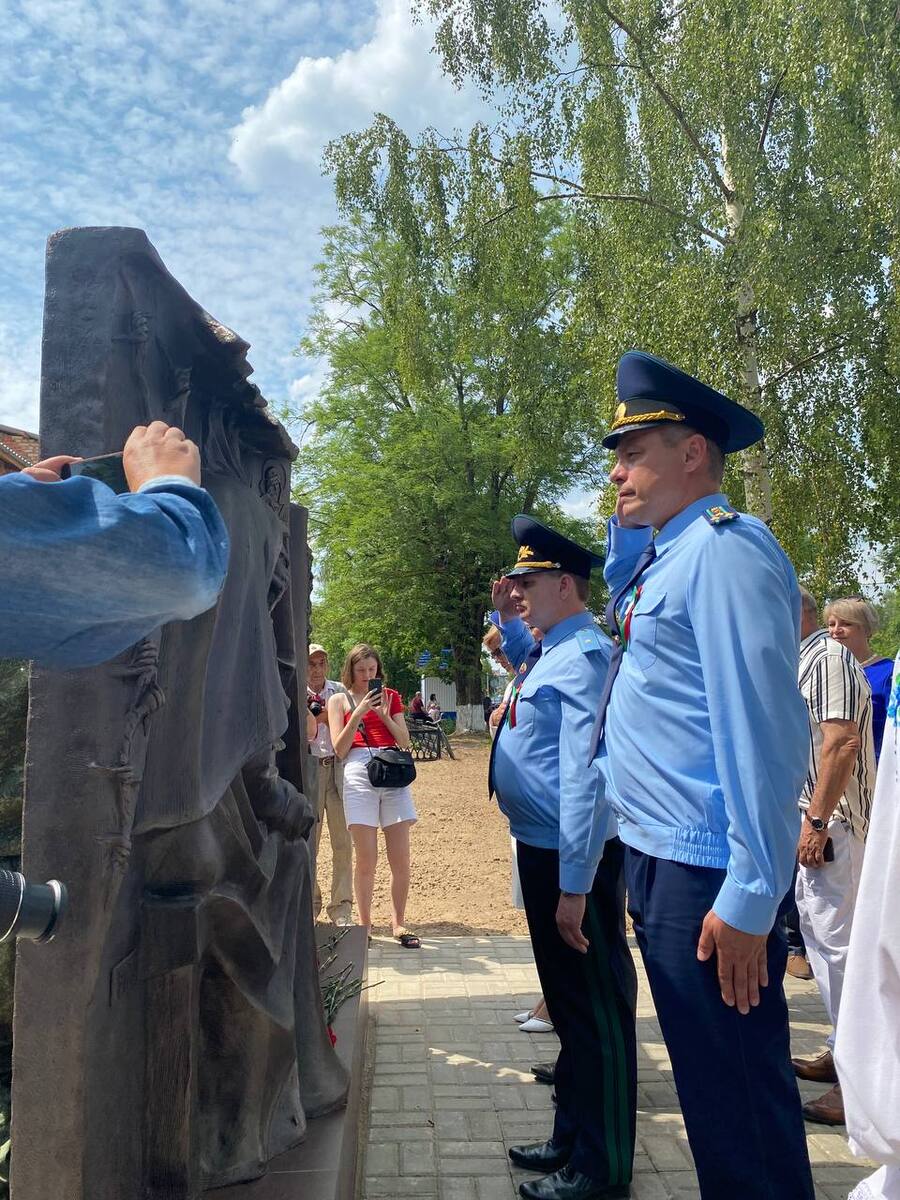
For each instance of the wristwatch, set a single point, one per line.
(817, 823)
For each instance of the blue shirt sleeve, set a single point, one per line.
(624, 546)
(87, 572)
(517, 640)
(583, 812)
(744, 607)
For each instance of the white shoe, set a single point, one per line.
(522, 1017)
(536, 1025)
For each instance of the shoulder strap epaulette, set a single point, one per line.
(589, 639)
(720, 514)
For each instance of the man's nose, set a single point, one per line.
(618, 474)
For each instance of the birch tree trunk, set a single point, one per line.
(754, 460)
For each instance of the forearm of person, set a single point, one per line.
(181, 535)
(82, 560)
(583, 812)
(342, 735)
(517, 640)
(396, 726)
(758, 721)
(836, 762)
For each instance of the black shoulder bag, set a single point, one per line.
(389, 766)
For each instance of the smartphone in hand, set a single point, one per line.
(108, 468)
(374, 685)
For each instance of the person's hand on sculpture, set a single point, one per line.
(501, 599)
(159, 449)
(48, 469)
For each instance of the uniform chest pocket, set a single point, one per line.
(524, 715)
(535, 702)
(643, 631)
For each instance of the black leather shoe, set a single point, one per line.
(572, 1185)
(543, 1156)
(544, 1072)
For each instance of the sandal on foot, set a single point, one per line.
(409, 941)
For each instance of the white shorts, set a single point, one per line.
(366, 805)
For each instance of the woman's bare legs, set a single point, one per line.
(396, 842)
(365, 856)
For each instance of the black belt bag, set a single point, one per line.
(390, 767)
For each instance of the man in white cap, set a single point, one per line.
(330, 803)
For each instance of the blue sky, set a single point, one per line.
(203, 124)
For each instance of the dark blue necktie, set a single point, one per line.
(530, 659)
(612, 624)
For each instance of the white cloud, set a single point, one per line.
(580, 503)
(394, 72)
(132, 116)
(19, 379)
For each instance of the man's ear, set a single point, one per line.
(694, 450)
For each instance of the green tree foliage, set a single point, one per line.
(733, 176)
(887, 638)
(456, 397)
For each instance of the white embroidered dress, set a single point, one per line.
(867, 1046)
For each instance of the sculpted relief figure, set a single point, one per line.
(182, 1009)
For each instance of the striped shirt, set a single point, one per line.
(835, 688)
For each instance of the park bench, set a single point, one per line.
(427, 741)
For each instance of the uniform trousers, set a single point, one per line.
(330, 807)
(733, 1073)
(826, 900)
(592, 1000)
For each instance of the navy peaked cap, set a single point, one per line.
(543, 549)
(652, 392)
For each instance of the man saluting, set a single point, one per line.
(703, 743)
(575, 910)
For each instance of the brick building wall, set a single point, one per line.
(18, 449)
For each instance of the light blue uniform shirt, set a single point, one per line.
(85, 573)
(540, 775)
(707, 738)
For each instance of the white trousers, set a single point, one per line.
(826, 899)
(883, 1185)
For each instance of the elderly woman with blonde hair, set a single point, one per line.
(852, 621)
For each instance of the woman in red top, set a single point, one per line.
(380, 714)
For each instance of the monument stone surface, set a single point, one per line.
(171, 1040)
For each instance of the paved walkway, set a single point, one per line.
(450, 1087)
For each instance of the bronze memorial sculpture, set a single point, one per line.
(173, 1041)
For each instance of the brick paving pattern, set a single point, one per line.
(451, 1088)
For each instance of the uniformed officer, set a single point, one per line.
(575, 909)
(703, 748)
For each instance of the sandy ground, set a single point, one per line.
(460, 852)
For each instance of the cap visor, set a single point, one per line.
(612, 439)
(527, 571)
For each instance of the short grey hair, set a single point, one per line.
(808, 602)
(673, 434)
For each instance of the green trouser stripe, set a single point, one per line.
(615, 1067)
